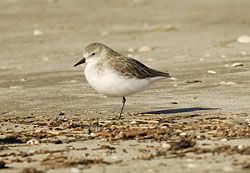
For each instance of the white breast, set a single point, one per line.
(112, 84)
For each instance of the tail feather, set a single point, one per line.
(156, 73)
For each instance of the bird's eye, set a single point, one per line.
(93, 54)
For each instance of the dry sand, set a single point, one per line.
(199, 122)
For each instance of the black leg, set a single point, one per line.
(123, 104)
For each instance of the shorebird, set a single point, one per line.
(115, 75)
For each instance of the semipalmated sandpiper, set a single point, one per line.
(115, 75)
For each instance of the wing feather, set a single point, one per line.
(134, 69)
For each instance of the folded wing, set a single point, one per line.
(134, 69)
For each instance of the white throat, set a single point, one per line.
(93, 60)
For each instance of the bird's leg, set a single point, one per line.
(123, 104)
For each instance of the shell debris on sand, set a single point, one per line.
(168, 136)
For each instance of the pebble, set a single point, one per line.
(194, 81)
(22, 80)
(33, 142)
(223, 56)
(244, 39)
(145, 49)
(211, 72)
(61, 113)
(237, 64)
(166, 146)
(37, 33)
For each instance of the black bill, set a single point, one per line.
(80, 62)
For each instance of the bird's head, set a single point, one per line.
(93, 51)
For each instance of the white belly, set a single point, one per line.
(111, 84)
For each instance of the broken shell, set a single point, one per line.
(166, 146)
(173, 78)
(33, 142)
(104, 33)
(16, 87)
(227, 83)
(133, 122)
(183, 134)
(243, 53)
(240, 147)
(237, 64)
(75, 170)
(131, 50)
(92, 135)
(145, 49)
(244, 39)
(45, 59)
(37, 32)
(211, 72)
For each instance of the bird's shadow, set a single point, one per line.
(180, 110)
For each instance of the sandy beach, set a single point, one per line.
(53, 121)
